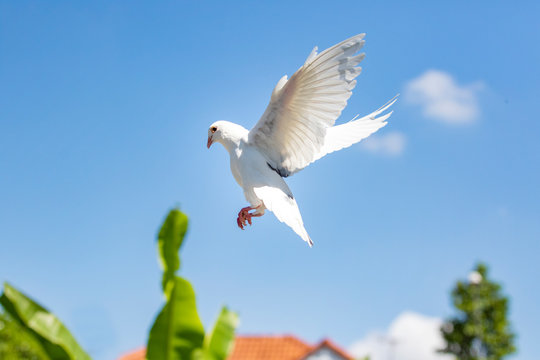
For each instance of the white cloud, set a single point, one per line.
(441, 98)
(392, 144)
(411, 336)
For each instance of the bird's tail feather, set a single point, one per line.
(284, 208)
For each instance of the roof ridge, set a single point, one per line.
(326, 342)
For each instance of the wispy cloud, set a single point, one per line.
(392, 144)
(411, 336)
(441, 98)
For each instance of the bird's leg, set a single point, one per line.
(244, 216)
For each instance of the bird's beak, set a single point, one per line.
(209, 143)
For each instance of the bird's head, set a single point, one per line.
(224, 132)
(215, 133)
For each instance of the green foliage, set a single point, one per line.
(177, 333)
(177, 329)
(170, 239)
(55, 339)
(481, 330)
(219, 343)
(17, 343)
(29, 332)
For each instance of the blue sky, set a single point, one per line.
(104, 110)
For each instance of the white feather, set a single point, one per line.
(284, 208)
(342, 136)
(293, 128)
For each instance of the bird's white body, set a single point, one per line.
(296, 129)
(263, 187)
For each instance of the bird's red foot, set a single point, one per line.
(244, 216)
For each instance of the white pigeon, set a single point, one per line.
(296, 129)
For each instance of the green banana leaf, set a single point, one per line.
(17, 342)
(177, 330)
(170, 239)
(56, 339)
(219, 343)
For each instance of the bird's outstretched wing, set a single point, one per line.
(344, 135)
(284, 208)
(292, 131)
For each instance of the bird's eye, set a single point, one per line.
(213, 129)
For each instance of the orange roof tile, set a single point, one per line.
(268, 348)
(286, 347)
(134, 355)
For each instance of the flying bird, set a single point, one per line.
(296, 129)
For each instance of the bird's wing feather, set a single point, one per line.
(284, 208)
(345, 135)
(292, 130)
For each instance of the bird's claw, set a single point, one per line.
(239, 222)
(244, 217)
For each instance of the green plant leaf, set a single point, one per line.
(56, 339)
(170, 239)
(220, 341)
(177, 330)
(18, 342)
(218, 344)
